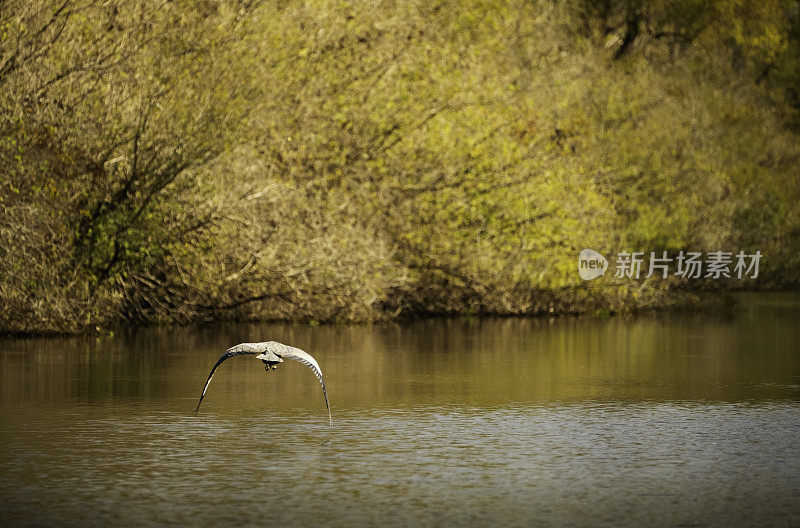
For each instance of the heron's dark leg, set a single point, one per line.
(268, 364)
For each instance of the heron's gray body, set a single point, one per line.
(270, 353)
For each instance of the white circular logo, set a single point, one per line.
(591, 264)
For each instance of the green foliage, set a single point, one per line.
(331, 161)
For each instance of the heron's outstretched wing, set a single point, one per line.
(306, 359)
(238, 350)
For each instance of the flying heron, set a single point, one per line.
(271, 353)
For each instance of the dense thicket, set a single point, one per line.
(176, 161)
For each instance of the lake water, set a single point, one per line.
(659, 419)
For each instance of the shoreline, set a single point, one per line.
(712, 300)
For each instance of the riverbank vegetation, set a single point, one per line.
(355, 161)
